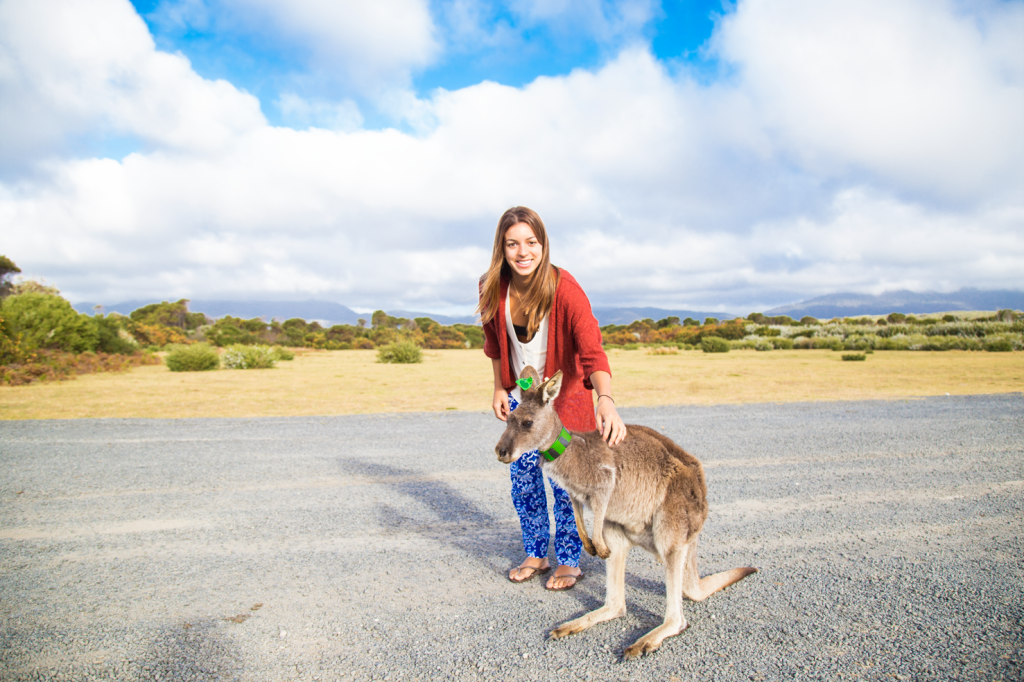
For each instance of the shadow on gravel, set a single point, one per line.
(190, 651)
(459, 522)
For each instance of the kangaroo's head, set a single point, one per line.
(533, 425)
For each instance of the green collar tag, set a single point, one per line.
(525, 383)
(558, 447)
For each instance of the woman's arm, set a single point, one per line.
(500, 403)
(609, 423)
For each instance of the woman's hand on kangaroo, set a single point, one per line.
(500, 404)
(610, 423)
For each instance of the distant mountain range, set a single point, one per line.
(853, 305)
(822, 307)
(333, 313)
(626, 315)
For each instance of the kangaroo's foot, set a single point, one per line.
(583, 622)
(653, 639)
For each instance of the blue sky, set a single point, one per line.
(693, 155)
(252, 56)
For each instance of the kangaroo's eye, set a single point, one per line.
(527, 424)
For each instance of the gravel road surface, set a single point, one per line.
(888, 537)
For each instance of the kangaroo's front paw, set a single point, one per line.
(603, 551)
(589, 547)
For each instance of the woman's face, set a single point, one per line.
(522, 250)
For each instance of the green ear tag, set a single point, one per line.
(525, 383)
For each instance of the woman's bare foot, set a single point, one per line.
(565, 578)
(527, 570)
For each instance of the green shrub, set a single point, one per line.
(283, 353)
(49, 321)
(401, 352)
(198, 357)
(998, 345)
(897, 343)
(783, 344)
(112, 336)
(714, 344)
(854, 357)
(240, 356)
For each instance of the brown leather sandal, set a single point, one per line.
(576, 579)
(534, 572)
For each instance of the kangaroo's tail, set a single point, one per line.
(719, 581)
(698, 589)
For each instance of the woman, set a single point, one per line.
(536, 314)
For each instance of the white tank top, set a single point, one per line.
(534, 353)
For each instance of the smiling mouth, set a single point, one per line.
(524, 263)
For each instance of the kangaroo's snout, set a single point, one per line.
(504, 450)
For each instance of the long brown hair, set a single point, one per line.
(538, 299)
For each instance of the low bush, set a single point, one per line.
(283, 353)
(854, 357)
(663, 350)
(998, 345)
(714, 344)
(198, 357)
(783, 344)
(400, 352)
(239, 356)
(53, 365)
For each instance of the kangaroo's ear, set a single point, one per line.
(528, 379)
(550, 389)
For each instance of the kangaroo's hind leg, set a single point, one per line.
(675, 562)
(615, 590)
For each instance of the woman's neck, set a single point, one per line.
(522, 283)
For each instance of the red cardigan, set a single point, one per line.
(574, 346)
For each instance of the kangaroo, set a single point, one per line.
(646, 491)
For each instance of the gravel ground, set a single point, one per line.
(888, 535)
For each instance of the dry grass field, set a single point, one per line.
(348, 382)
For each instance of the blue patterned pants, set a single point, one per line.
(531, 504)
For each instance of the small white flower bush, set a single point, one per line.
(249, 357)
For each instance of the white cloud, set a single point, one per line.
(656, 190)
(917, 93)
(375, 44)
(89, 68)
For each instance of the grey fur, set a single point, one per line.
(646, 491)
